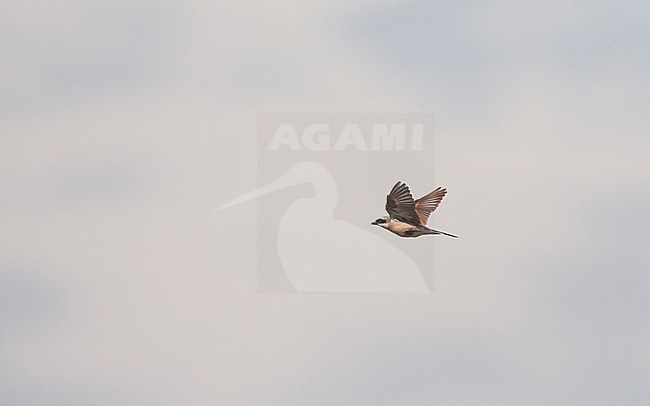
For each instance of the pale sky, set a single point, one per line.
(125, 124)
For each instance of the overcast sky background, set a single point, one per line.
(124, 124)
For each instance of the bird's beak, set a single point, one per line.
(283, 182)
(374, 223)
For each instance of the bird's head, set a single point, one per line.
(381, 222)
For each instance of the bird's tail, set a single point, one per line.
(432, 231)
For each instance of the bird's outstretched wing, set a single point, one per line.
(400, 204)
(427, 204)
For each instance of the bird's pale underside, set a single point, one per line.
(408, 217)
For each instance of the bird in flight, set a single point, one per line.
(408, 217)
